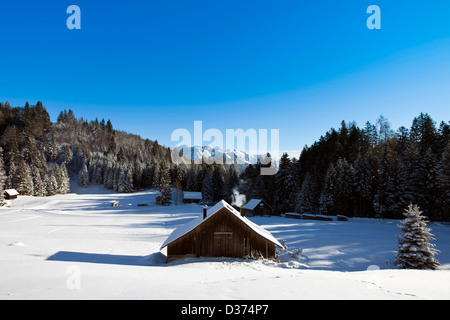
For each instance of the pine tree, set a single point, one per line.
(370, 133)
(83, 180)
(396, 193)
(157, 175)
(305, 198)
(415, 250)
(207, 190)
(125, 183)
(108, 180)
(363, 185)
(64, 182)
(182, 174)
(164, 185)
(218, 184)
(344, 187)
(286, 188)
(383, 172)
(411, 162)
(428, 172)
(24, 179)
(51, 184)
(259, 189)
(190, 180)
(40, 189)
(2, 176)
(11, 181)
(327, 200)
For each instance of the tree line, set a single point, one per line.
(364, 172)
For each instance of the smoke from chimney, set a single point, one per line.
(238, 199)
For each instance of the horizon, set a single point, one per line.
(152, 68)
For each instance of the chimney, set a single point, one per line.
(242, 211)
(204, 212)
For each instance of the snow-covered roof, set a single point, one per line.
(12, 192)
(193, 195)
(178, 233)
(251, 205)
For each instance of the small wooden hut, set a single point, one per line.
(257, 207)
(11, 194)
(221, 232)
(192, 197)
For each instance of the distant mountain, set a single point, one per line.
(238, 157)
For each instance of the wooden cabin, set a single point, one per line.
(221, 232)
(11, 194)
(257, 207)
(192, 197)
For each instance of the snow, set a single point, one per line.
(77, 246)
(252, 204)
(193, 195)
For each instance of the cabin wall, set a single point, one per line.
(261, 209)
(222, 235)
(192, 200)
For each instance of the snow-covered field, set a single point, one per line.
(77, 246)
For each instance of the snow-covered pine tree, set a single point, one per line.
(11, 180)
(182, 174)
(327, 199)
(97, 176)
(108, 180)
(50, 184)
(24, 179)
(83, 180)
(164, 185)
(157, 175)
(125, 183)
(64, 180)
(40, 189)
(415, 250)
(305, 198)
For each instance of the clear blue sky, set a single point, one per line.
(299, 66)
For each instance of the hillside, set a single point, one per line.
(39, 156)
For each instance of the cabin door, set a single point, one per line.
(223, 244)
